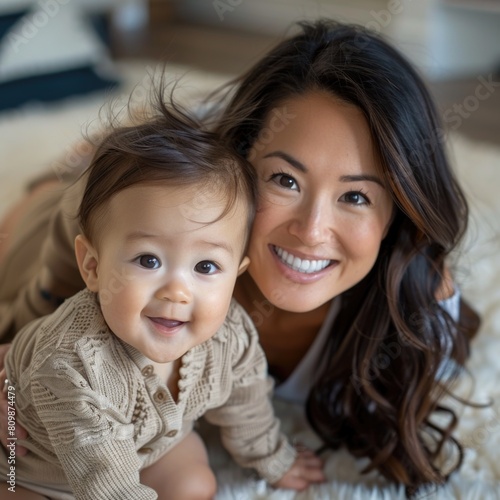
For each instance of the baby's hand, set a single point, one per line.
(307, 469)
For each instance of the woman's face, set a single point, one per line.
(323, 208)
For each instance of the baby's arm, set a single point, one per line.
(92, 440)
(249, 429)
(250, 433)
(105, 469)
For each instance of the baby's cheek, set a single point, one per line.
(216, 305)
(118, 306)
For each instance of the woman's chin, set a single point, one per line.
(289, 293)
(294, 301)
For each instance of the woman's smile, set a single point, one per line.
(302, 265)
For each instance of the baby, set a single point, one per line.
(110, 385)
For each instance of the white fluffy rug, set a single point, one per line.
(35, 137)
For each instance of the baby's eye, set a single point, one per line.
(355, 198)
(285, 181)
(206, 267)
(149, 261)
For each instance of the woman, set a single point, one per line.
(347, 285)
(353, 177)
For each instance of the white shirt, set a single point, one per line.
(296, 387)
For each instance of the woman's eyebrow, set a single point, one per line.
(362, 177)
(289, 159)
(344, 178)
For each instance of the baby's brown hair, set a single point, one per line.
(168, 144)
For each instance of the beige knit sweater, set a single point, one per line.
(97, 413)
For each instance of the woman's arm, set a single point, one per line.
(40, 270)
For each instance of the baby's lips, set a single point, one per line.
(168, 323)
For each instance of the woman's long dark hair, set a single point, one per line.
(383, 369)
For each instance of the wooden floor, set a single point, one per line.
(470, 105)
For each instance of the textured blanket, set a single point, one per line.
(32, 138)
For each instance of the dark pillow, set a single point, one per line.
(50, 54)
(8, 20)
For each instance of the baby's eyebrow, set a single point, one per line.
(220, 244)
(139, 235)
(361, 177)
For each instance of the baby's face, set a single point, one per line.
(165, 276)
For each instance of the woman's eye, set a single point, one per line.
(284, 180)
(355, 198)
(206, 267)
(149, 261)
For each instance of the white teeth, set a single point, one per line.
(297, 264)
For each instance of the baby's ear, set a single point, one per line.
(245, 262)
(87, 259)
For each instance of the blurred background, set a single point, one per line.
(454, 43)
(61, 61)
(50, 49)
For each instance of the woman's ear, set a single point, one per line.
(245, 262)
(87, 259)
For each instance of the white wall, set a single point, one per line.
(465, 41)
(273, 16)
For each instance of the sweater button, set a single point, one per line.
(171, 433)
(147, 371)
(160, 396)
(146, 450)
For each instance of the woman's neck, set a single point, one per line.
(285, 336)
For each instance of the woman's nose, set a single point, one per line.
(176, 290)
(312, 224)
